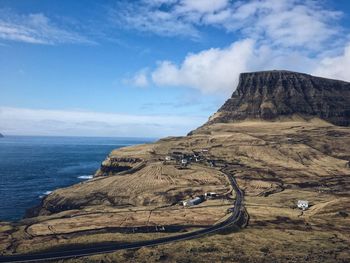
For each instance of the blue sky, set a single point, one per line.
(152, 68)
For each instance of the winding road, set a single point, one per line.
(101, 249)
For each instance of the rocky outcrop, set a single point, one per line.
(270, 95)
(114, 165)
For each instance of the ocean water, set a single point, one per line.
(31, 167)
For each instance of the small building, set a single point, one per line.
(210, 195)
(184, 162)
(168, 158)
(195, 201)
(183, 203)
(177, 155)
(303, 204)
(211, 163)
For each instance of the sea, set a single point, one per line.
(31, 167)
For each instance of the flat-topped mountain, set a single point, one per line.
(274, 94)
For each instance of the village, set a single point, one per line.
(183, 159)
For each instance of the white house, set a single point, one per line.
(184, 162)
(303, 204)
(183, 203)
(195, 201)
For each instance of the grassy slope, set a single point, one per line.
(275, 163)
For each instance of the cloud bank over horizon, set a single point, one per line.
(23, 121)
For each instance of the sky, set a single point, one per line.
(152, 68)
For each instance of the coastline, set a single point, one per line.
(42, 164)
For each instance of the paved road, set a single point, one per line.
(101, 249)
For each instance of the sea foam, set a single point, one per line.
(45, 194)
(86, 177)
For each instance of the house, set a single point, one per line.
(195, 201)
(184, 162)
(211, 163)
(210, 195)
(177, 155)
(303, 204)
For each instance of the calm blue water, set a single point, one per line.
(31, 167)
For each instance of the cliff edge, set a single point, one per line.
(270, 95)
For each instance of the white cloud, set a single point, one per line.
(202, 6)
(146, 16)
(36, 29)
(216, 70)
(140, 79)
(272, 34)
(335, 66)
(211, 70)
(22, 121)
(287, 23)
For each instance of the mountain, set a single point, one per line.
(1, 136)
(270, 95)
(279, 136)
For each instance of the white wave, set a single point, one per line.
(86, 177)
(45, 194)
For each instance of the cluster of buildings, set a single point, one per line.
(184, 158)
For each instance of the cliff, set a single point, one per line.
(270, 95)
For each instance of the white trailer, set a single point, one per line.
(303, 204)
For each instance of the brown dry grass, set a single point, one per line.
(275, 163)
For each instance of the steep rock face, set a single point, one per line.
(269, 95)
